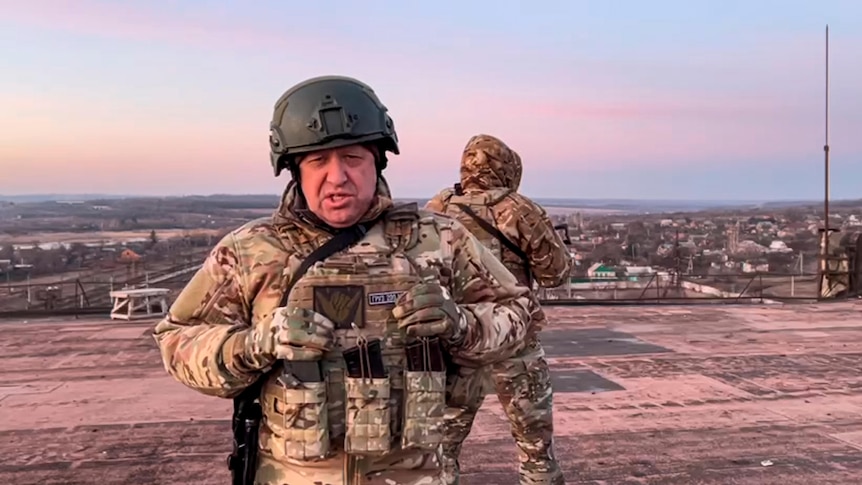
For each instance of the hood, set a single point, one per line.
(293, 209)
(487, 163)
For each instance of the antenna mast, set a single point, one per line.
(826, 147)
(824, 281)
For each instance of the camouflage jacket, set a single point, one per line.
(491, 175)
(202, 338)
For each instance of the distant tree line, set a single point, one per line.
(79, 257)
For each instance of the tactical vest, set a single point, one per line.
(368, 416)
(481, 203)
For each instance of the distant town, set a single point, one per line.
(87, 247)
(703, 243)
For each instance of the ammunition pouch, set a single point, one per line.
(367, 390)
(368, 416)
(302, 409)
(424, 395)
(424, 405)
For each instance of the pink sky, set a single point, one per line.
(143, 98)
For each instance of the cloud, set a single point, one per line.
(139, 22)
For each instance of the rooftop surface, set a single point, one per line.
(699, 394)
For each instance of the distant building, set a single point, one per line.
(664, 249)
(129, 256)
(755, 268)
(634, 273)
(779, 246)
(599, 271)
(748, 246)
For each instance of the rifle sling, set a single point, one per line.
(487, 226)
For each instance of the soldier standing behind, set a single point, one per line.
(520, 233)
(339, 363)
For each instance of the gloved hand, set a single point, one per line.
(291, 334)
(427, 310)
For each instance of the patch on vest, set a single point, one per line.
(341, 304)
(384, 298)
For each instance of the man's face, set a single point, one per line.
(339, 183)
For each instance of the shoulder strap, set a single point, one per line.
(342, 240)
(487, 226)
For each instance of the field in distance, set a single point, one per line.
(103, 236)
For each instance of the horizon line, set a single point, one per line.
(96, 195)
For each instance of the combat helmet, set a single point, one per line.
(328, 112)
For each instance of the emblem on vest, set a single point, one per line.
(384, 298)
(341, 304)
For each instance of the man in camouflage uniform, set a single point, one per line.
(413, 276)
(520, 233)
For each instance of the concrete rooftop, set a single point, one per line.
(701, 394)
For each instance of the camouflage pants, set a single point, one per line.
(523, 387)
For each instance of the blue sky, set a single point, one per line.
(663, 99)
